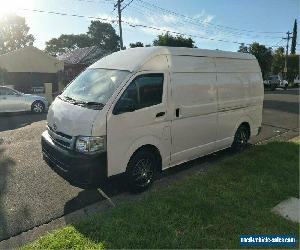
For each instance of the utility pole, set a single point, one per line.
(286, 51)
(120, 8)
(118, 5)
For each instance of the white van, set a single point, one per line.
(143, 110)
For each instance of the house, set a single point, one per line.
(77, 60)
(27, 69)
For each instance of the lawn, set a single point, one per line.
(207, 210)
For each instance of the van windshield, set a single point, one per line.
(94, 86)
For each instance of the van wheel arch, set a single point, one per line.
(241, 137)
(152, 149)
(142, 168)
(247, 125)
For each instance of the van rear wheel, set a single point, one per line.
(241, 138)
(141, 170)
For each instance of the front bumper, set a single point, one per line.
(83, 171)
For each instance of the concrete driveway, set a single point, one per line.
(31, 194)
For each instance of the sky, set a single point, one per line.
(206, 21)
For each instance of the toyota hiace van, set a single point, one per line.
(140, 111)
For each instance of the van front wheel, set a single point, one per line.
(140, 170)
(241, 138)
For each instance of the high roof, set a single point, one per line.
(132, 59)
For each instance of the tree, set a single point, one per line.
(263, 55)
(136, 44)
(294, 39)
(104, 36)
(65, 43)
(169, 40)
(278, 60)
(293, 67)
(243, 48)
(99, 34)
(14, 33)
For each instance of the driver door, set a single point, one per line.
(139, 118)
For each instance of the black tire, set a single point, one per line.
(141, 170)
(38, 107)
(285, 87)
(241, 138)
(273, 87)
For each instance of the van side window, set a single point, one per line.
(150, 89)
(144, 91)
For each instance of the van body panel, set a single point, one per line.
(240, 97)
(207, 95)
(71, 119)
(129, 131)
(194, 95)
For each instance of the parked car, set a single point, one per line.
(275, 81)
(139, 111)
(14, 101)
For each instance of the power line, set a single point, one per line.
(205, 25)
(195, 19)
(133, 25)
(126, 5)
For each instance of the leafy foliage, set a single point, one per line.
(65, 43)
(104, 36)
(14, 33)
(278, 61)
(243, 48)
(294, 39)
(263, 55)
(99, 34)
(293, 67)
(136, 44)
(173, 41)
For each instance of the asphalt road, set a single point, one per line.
(32, 194)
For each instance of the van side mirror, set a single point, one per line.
(124, 105)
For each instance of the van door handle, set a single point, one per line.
(160, 114)
(177, 111)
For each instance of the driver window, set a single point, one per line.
(145, 90)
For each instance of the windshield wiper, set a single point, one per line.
(95, 105)
(69, 99)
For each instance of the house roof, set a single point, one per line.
(30, 59)
(87, 55)
(132, 59)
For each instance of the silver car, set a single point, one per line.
(14, 101)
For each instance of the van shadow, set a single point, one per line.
(118, 185)
(10, 121)
(5, 165)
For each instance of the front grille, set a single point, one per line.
(61, 134)
(61, 139)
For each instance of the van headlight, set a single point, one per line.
(91, 144)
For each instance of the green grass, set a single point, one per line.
(207, 210)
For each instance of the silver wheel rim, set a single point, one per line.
(142, 173)
(242, 139)
(38, 107)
